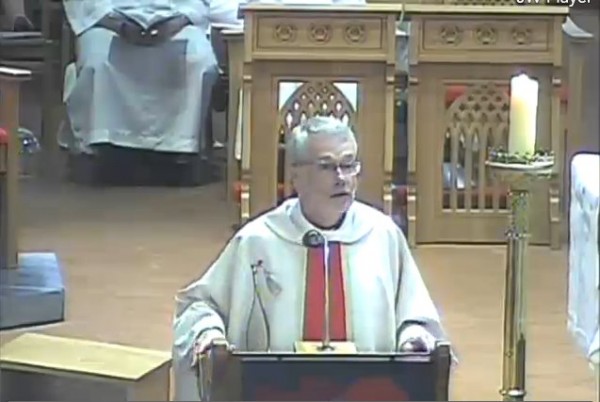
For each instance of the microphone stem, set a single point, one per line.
(326, 333)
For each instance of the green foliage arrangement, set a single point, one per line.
(501, 156)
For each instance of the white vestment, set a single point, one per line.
(385, 291)
(153, 98)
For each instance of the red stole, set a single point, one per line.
(314, 305)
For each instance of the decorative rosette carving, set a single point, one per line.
(355, 33)
(320, 33)
(451, 34)
(285, 33)
(521, 36)
(486, 35)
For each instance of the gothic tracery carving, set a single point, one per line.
(313, 99)
(476, 121)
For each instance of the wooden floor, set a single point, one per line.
(126, 251)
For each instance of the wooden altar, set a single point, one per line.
(474, 48)
(10, 79)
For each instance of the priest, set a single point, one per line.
(266, 289)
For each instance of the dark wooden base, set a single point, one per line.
(117, 166)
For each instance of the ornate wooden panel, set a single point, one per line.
(313, 37)
(476, 50)
(475, 121)
(487, 35)
(319, 46)
(502, 39)
(451, 43)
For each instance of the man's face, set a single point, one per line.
(328, 178)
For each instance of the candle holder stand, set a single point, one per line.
(519, 178)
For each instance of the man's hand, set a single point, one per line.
(211, 340)
(415, 338)
(132, 32)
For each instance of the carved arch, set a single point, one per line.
(476, 121)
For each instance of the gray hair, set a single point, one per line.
(297, 142)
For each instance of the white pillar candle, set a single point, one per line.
(524, 92)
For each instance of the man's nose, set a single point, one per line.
(340, 174)
(341, 179)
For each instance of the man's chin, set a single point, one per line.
(342, 202)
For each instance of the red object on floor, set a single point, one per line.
(3, 136)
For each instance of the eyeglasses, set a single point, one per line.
(344, 168)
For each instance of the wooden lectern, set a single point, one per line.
(321, 48)
(10, 79)
(324, 377)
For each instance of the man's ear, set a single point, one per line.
(294, 178)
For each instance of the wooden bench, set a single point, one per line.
(42, 367)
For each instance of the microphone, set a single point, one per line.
(257, 296)
(315, 239)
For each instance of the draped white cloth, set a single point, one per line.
(152, 98)
(584, 271)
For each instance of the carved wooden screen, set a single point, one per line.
(475, 121)
(312, 98)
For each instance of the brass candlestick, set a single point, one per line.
(519, 177)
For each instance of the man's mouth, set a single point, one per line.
(341, 194)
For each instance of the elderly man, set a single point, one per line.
(266, 289)
(145, 69)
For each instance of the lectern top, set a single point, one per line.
(324, 357)
(56, 354)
